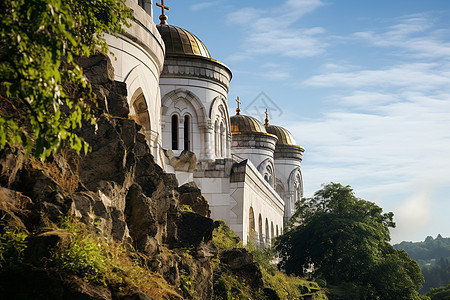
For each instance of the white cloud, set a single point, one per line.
(385, 129)
(414, 76)
(203, 5)
(414, 36)
(413, 214)
(265, 34)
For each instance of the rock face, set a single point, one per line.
(241, 262)
(119, 188)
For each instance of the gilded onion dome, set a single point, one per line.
(242, 124)
(284, 136)
(179, 41)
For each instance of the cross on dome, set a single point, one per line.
(238, 110)
(162, 17)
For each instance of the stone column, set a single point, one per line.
(208, 150)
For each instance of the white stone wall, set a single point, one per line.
(202, 94)
(138, 58)
(286, 171)
(254, 192)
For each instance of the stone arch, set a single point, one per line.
(215, 109)
(266, 168)
(295, 184)
(182, 94)
(185, 103)
(219, 113)
(139, 110)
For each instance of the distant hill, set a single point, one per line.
(428, 250)
(433, 257)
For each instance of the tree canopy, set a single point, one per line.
(345, 239)
(442, 293)
(39, 40)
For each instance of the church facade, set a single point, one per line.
(249, 172)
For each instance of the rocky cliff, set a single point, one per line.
(117, 190)
(110, 224)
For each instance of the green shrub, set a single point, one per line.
(224, 238)
(12, 243)
(92, 258)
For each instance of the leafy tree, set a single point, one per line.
(436, 275)
(39, 41)
(442, 293)
(346, 239)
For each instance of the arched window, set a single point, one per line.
(277, 231)
(260, 231)
(269, 175)
(267, 233)
(187, 133)
(251, 224)
(271, 230)
(174, 132)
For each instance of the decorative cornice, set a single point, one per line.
(197, 67)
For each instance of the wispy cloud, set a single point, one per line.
(203, 5)
(385, 127)
(265, 34)
(414, 35)
(415, 76)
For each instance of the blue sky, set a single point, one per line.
(364, 86)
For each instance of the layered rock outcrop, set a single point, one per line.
(118, 189)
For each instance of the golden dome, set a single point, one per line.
(283, 135)
(241, 124)
(179, 41)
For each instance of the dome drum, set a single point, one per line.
(251, 142)
(289, 152)
(191, 66)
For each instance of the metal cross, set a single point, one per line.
(163, 17)
(267, 118)
(238, 110)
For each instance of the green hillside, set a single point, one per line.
(433, 257)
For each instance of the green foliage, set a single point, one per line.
(12, 243)
(38, 42)
(84, 257)
(346, 239)
(442, 293)
(433, 256)
(228, 285)
(93, 259)
(292, 287)
(224, 238)
(87, 256)
(436, 274)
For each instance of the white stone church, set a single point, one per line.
(248, 171)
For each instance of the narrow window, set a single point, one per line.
(174, 132)
(216, 139)
(222, 140)
(187, 130)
